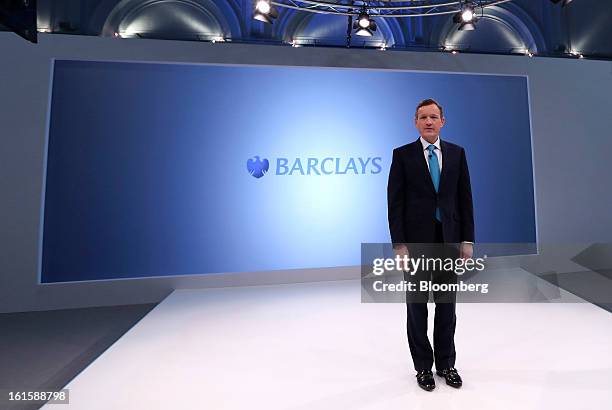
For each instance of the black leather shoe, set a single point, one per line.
(426, 380)
(452, 377)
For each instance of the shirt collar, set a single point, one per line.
(427, 144)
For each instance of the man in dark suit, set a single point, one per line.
(430, 202)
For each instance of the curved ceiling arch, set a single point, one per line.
(497, 26)
(332, 30)
(179, 19)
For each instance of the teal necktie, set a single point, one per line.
(434, 171)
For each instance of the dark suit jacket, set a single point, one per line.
(412, 199)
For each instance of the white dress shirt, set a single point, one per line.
(437, 151)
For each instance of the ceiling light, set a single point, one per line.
(467, 14)
(265, 11)
(465, 18)
(263, 7)
(364, 26)
(364, 20)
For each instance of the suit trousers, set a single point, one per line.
(443, 352)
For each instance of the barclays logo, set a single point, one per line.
(316, 166)
(257, 167)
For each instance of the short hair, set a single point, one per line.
(428, 101)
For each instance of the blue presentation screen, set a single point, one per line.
(167, 169)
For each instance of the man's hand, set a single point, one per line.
(466, 250)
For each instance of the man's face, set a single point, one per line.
(428, 121)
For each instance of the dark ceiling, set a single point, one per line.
(515, 27)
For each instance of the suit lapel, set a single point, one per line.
(445, 162)
(420, 159)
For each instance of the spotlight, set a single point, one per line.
(465, 18)
(364, 26)
(363, 20)
(265, 11)
(467, 14)
(263, 7)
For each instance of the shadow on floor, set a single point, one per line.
(43, 351)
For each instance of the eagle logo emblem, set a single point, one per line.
(258, 167)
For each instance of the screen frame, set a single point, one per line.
(53, 61)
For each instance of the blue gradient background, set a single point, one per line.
(146, 168)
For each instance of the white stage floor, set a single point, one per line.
(316, 346)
